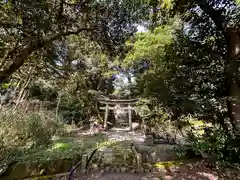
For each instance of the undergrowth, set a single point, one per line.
(214, 144)
(21, 132)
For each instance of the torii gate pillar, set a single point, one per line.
(105, 117)
(114, 102)
(130, 117)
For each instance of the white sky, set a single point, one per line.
(141, 29)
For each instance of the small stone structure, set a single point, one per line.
(149, 140)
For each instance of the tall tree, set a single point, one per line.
(28, 26)
(225, 17)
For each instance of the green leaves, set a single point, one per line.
(7, 4)
(20, 20)
(237, 2)
(167, 4)
(149, 45)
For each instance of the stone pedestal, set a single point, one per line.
(149, 141)
(156, 153)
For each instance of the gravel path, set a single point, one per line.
(120, 176)
(192, 171)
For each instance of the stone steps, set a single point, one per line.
(122, 159)
(156, 153)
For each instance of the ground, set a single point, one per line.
(188, 171)
(115, 152)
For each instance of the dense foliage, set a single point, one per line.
(59, 56)
(21, 131)
(191, 73)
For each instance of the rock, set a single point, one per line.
(133, 171)
(142, 170)
(146, 170)
(137, 170)
(156, 153)
(101, 165)
(147, 165)
(112, 170)
(149, 140)
(95, 167)
(118, 170)
(123, 169)
(102, 171)
(107, 169)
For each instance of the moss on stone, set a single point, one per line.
(167, 164)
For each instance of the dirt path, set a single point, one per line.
(189, 171)
(120, 176)
(196, 171)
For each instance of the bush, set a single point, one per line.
(18, 128)
(215, 144)
(42, 127)
(20, 131)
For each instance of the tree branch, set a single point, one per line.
(34, 45)
(215, 15)
(64, 34)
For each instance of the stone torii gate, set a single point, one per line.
(111, 104)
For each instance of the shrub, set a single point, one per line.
(215, 144)
(42, 127)
(20, 131)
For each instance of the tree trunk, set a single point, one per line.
(231, 35)
(232, 88)
(20, 56)
(58, 104)
(17, 61)
(20, 97)
(129, 84)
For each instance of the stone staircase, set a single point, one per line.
(123, 152)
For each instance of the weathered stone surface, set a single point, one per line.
(107, 169)
(141, 170)
(118, 170)
(156, 153)
(133, 171)
(149, 140)
(37, 168)
(146, 171)
(120, 154)
(120, 176)
(123, 169)
(95, 167)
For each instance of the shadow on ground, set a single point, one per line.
(66, 151)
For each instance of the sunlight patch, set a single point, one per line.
(60, 146)
(167, 164)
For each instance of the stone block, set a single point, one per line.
(149, 140)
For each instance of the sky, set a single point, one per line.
(141, 28)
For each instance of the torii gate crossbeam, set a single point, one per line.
(128, 102)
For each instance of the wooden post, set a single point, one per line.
(138, 158)
(84, 163)
(130, 117)
(105, 117)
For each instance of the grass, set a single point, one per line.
(69, 146)
(63, 153)
(66, 146)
